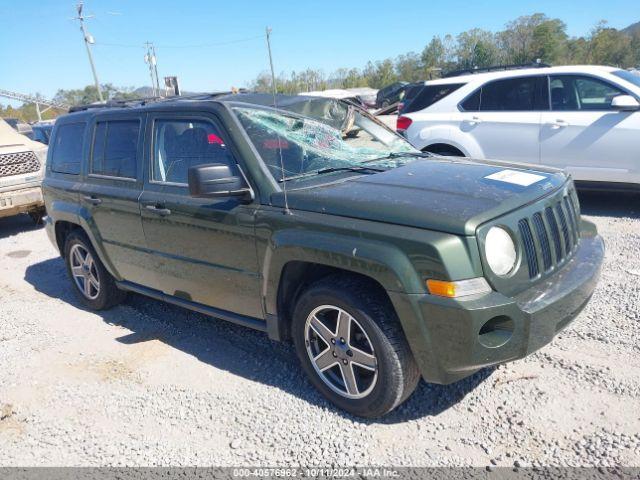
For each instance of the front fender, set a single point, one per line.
(381, 262)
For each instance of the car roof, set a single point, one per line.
(297, 104)
(520, 72)
(260, 99)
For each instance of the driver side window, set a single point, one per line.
(182, 144)
(577, 93)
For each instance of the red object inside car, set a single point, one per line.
(214, 139)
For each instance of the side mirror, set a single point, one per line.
(625, 103)
(217, 180)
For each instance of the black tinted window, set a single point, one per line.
(115, 149)
(67, 148)
(181, 144)
(513, 95)
(472, 103)
(428, 95)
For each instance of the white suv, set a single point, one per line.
(585, 119)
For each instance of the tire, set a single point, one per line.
(376, 391)
(101, 291)
(37, 215)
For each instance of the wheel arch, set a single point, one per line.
(444, 149)
(68, 217)
(297, 276)
(297, 259)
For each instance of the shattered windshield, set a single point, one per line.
(294, 147)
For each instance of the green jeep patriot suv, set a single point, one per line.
(308, 219)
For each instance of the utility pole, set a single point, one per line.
(155, 68)
(151, 59)
(88, 39)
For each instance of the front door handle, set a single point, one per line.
(158, 209)
(475, 120)
(559, 123)
(93, 200)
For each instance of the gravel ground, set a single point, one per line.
(151, 384)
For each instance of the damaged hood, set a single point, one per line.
(444, 194)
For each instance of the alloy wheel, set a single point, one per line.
(84, 271)
(341, 352)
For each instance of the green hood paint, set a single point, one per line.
(444, 194)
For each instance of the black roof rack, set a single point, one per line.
(139, 102)
(495, 68)
(115, 103)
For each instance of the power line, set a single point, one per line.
(201, 45)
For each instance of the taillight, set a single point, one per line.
(403, 123)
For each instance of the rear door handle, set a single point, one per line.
(475, 120)
(158, 209)
(93, 200)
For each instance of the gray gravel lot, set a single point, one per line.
(151, 384)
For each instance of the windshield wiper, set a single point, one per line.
(393, 155)
(322, 171)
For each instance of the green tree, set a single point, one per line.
(609, 46)
(577, 51)
(89, 94)
(518, 39)
(433, 55)
(477, 48)
(380, 74)
(550, 41)
(409, 67)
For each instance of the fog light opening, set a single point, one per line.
(496, 332)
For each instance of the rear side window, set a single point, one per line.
(67, 148)
(182, 144)
(523, 94)
(512, 95)
(428, 95)
(115, 149)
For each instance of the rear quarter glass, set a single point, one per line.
(66, 155)
(427, 95)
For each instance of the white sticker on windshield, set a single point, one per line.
(517, 178)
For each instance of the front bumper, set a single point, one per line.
(445, 334)
(13, 202)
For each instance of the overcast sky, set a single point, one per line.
(213, 45)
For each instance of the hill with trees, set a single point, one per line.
(524, 40)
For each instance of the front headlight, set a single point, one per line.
(500, 251)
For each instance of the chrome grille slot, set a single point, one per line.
(529, 247)
(18, 163)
